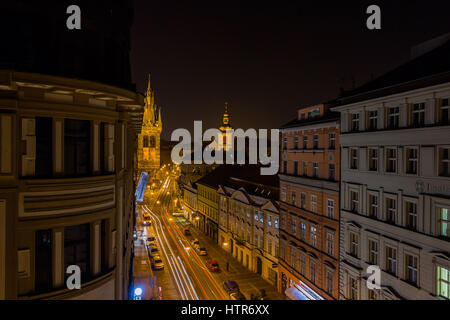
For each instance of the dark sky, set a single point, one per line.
(267, 58)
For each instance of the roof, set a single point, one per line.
(431, 68)
(327, 117)
(243, 176)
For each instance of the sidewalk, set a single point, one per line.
(249, 282)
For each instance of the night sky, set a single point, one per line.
(268, 58)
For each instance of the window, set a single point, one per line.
(354, 201)
(305, 168)
(302, 264)
(77, 150)
(44, 142)
(295, 142)
(411, 269)
(146, 144)
(316, 141)
(373, 252)
(303, 117)
(269, 221)
(302, 230)
(354, 244)
(373, 159)
(391, 160)
(411, 215)
(330, 243)
(391, 260)
(332, 141)
(276, 223)
(313, 203)
(152, 142)
(329, 287)
(373, 120)
(293, 196)
(373, 206)
(443, 282)
(331, 171)
(313, 236)
(444, 162)
(285, 166)
(411, 160)
(43, 261)
(330, 208)
(391, 210)
(393, 117)
(315, 172)
(444, 222)
(293, 258)
(354, 159)
(283, 194)
(355, 121)
(293, 225)
(352, 288)
(418, 114)
(445, 119)
(269, 246)
(285, 143)
(305, 142)
(302, 200)
(312, 271)
(314, 113)
(77, 249)
(295, 168)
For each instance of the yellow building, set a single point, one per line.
(149, 144)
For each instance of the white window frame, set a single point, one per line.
(313, 203)
(376, 159)
(330, 208)
(409, 160)
(389, 158)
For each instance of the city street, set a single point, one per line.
(185, 275)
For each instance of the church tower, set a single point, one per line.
(226, 126)
(149, 139)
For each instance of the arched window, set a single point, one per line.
(145, 141)
(152, 142)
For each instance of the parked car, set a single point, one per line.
(213, 265)
(230, 286)
(201, 251)
(153, 250)
(237, 296)
(187, 232)
(146, 220)
(195, 243)
(157, 263)
(151, 241)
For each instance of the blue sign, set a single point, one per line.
(140, 191)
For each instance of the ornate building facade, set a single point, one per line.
(149, 142)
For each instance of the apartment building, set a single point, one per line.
(395, 182)
(69, 118)
(249, 220)
(309, 205)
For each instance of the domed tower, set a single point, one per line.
(226, 126)
(149, 143)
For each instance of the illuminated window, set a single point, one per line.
(391, 260)
(443, 282)
(313, 236)
(444, 222)
(411, 268)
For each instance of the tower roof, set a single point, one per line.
(152, 113)
(226, 119)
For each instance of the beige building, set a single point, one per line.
(66, 186)
(249, 222)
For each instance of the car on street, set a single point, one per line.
(151, 241)
(157, 263)
(195, 243)
(237, 296)
(187, 232)
(146, 220)
(201, 251)
(213, 265)
(230, 286)
(153, 250)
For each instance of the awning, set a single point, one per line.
(294, 294)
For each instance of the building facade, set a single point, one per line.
(248, 225)
(67, 189)
(149, 139)
(395, 186)
(309, 205)
(207, 218)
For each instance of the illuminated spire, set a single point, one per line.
(226, 117)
